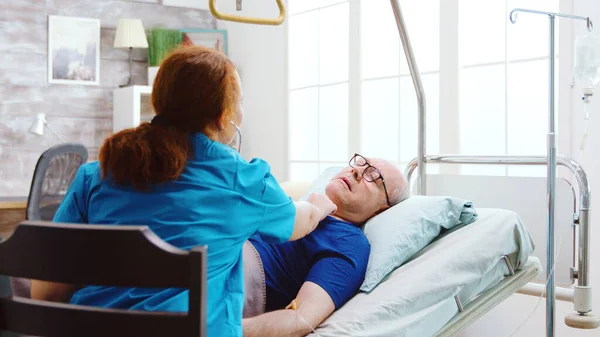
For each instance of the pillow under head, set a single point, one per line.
(404, 229)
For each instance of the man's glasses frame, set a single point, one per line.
(370, 173)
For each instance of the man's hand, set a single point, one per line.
(323, 203)
(313, 306)
(309, 213)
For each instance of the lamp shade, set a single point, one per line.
(37, 127)
(130, 34)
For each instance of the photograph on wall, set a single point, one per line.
(210, 38)
(73, 50)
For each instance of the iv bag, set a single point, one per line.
(587, 60)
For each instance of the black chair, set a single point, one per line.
(53, 175)
(120, 256)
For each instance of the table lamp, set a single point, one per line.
(130, 34)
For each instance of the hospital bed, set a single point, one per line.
(468, 271)
(446, 286)
(448, 315)
(398, 307)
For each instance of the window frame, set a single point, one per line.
(449, 82)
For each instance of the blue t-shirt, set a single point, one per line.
(220, 200)
(334, 256)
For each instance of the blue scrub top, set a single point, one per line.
(220, 200)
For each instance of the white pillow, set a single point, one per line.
(401, 231)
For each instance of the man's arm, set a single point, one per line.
(313, 304)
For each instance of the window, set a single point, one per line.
(318, 86)
(388, 113)
(503, 82)
(350, 88)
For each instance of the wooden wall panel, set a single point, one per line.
(87, 131)
(23, 37)
(17, 169)
(79, 113)
(56, 101)
(151, 14)
(24, 11)
(148, 1)
(23, 69)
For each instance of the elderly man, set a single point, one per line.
(320, 272)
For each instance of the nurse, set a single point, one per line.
(179, 176)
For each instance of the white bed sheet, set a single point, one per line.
(417, 299)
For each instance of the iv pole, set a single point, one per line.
(551, 171)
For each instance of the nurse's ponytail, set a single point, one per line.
(193, 87)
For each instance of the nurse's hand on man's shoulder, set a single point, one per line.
(323, 203)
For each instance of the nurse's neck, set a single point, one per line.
(213, 133)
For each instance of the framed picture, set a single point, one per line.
(211, 38)
(73, 50)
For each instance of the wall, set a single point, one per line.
(78, 113)
(260, 53)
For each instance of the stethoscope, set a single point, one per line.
(237, 139)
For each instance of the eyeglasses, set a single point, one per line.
(236, 143)
(370, 173)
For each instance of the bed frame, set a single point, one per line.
(488, 300)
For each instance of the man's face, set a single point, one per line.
(360, 194)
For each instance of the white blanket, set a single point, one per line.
(417, 299)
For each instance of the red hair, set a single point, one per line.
(193, 88)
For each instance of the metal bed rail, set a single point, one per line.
(420, 91)
(511, 272)
(582, 292)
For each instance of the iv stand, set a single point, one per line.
(551, 172)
